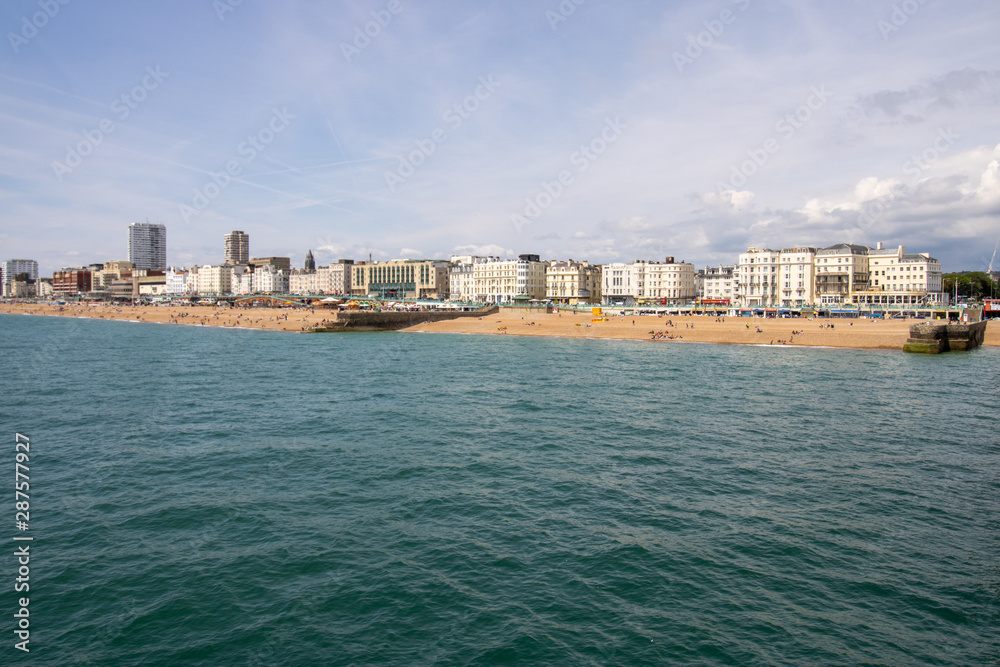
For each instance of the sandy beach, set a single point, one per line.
(280, 319)
(806, 332)
(860, 333)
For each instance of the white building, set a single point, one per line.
(191, 281)
(900, 279)
(573, 282)
(668, 283)
(797, 276)
(269, 279)
(242, 283)
(152, 289)
(719, 283)
(302, 282)
(462, 277)
(618, 283)
(335, 278)
(758, 278)
(147, 246)
(841, 270)
(176, 281)
(506, 280)
(214, 279)
(648, 282)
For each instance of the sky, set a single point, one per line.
(584, 129)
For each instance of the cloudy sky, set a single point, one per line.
(583, 129)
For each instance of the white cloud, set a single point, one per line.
(485, 250)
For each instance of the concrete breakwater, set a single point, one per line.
(937, 338)
(363, 320)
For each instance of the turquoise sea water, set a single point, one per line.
(226, 497)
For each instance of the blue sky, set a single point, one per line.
(578, 129)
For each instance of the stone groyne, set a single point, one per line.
(364, 320)
(937, 338)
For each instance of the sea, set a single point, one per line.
(209, 496)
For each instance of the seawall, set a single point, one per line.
(937, 338)
(361, 320)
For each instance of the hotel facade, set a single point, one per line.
(573, 283)
(901, 279)
(401, 278)
(648, 283)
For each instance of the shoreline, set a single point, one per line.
(774, 332)
(796, 332)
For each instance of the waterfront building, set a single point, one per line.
(269, 279)
(401, 278)
(241, 281)
(149, 285)
(176, 281)
(758, 278)
(237, 248)
(462, 277)
(573, 282)
(335, 278)
(21, 287)
(646, 282)
(191, 281)
(109, 271)
(719, 283)
(12, 268)
(509, 280)
(669, 283)
(214, 279)
(900, 279)
(797, 276)
(71, 282)
(147, 245)
(618, 283)
(121, 288)
(43, 288)
(841, 270)
(302, 282)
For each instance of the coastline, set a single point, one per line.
(797, 332)
(791, 332)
